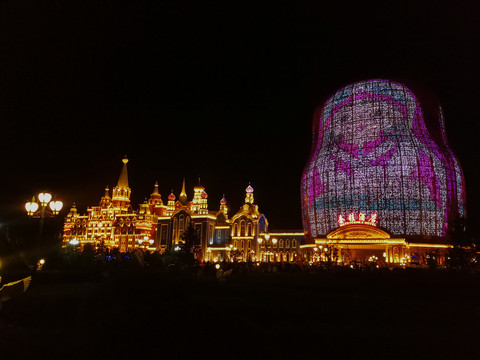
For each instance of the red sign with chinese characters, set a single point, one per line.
(362, 219)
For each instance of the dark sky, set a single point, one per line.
(221, 90)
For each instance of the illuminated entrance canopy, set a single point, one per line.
(362, 219)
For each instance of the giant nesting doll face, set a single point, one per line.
(372, 153)
(361, 116)
(365, 124)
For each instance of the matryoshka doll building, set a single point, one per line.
(381, 182)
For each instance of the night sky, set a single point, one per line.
(224, 91)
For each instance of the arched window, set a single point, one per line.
(235, 230)
(281, 243)
(187, 222)
(249, 244)
(287, 243)
(242, 228)
(249, 229)
(294, 243)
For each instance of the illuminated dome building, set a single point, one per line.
(380, 180)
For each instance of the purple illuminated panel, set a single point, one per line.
(372, 153)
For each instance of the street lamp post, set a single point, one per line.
(260, 240)
(145, 241)
(44, 207)
(267, 244)
(274, 252)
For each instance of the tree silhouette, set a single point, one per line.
(190, 246)
(461, 256)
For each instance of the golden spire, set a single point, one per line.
(123, 179)
(155, 189)
(183, 195)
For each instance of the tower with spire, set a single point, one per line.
(200, 199)
(121, 193)
(106, 200)
(155, 201)
(223, 206)
(170, 204)
(249, 194)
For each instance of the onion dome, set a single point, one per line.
(223, 201)
(171, 197)
(249, 189)
(204, 195)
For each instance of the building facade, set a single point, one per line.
(219, 237)
(114, 223)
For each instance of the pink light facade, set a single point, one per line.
(373, 153)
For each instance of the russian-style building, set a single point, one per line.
(158, 227)
(114, 223)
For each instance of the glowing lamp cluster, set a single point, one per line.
(362, 219)
(44, 201)
(374, 152)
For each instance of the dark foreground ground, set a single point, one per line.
(337, 314)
